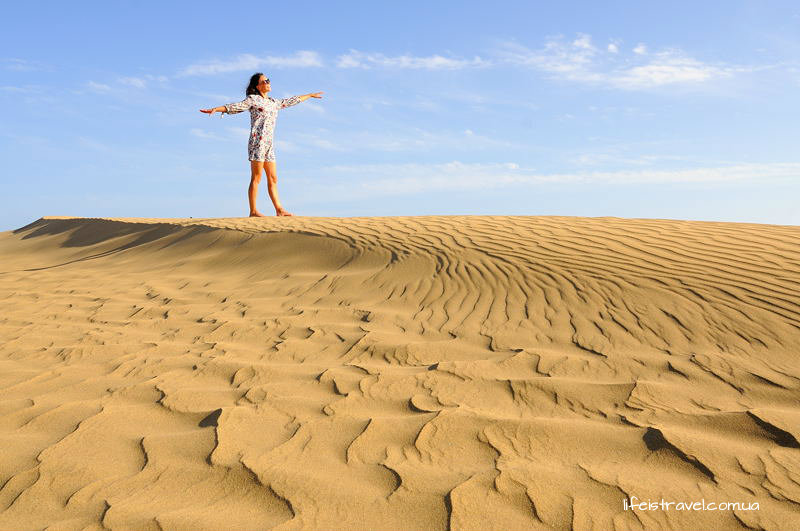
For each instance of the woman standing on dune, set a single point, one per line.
(261, 152)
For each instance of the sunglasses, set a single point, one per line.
(265, 81)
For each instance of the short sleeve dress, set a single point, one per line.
(263, 114)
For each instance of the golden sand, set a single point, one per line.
(404, 373)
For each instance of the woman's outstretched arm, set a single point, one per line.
(213, 110)
(304, 97)
(294, 100)
(231, 108)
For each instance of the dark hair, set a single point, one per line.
(251, 88)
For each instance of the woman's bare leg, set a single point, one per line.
(255, 176)
(272, 188)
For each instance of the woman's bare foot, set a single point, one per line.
(257, 214)
(282, 212)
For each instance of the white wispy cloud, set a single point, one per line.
(368, 180)
(141, 82)
(238, 132)
(10, 88)
(249, 62)
(136, 82)
(580, 60)
(226, 134)
(667, 68)
(22, 65)
(616, 159)
(310, 106)
(90, 143)
(98, 87)
(357, 59)
(409, 140)
(202, 133)
(284, 146)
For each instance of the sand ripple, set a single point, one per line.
(398, 373)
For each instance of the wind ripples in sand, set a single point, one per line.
(398, 373)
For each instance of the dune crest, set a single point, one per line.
(435, 372)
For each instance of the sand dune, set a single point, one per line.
(462, 373)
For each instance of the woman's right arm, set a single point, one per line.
(213, 110)
(231, 108)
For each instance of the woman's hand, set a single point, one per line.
(208, 111)
(304, 97)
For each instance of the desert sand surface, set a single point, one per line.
(399, 373)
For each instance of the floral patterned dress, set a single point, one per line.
(263, 113)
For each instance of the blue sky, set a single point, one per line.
(680, 110)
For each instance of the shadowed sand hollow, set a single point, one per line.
(417, 373)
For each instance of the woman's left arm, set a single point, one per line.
(304, 97)
(294, 100)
